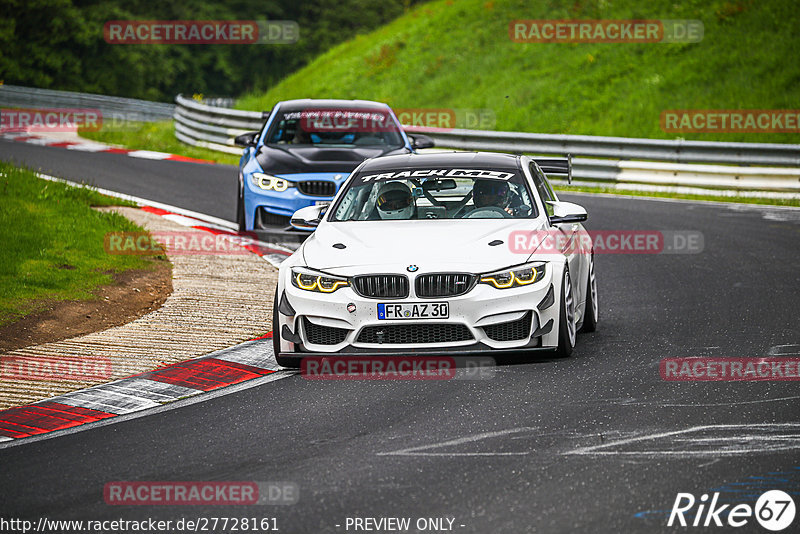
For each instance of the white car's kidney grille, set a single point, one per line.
(385, 286)
(323, 335)
(396, 334)
(510, 331)
(443, 284)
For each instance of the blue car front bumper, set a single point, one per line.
(264, 208)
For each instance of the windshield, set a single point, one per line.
(435, 194)
(343, 128)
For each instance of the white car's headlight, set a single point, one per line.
(268, 182)
(522, 275)
(310, 280)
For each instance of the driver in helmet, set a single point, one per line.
(395, 201)
(493, 193)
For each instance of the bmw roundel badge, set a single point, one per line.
(412, 268)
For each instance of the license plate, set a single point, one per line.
(322, 202)
(425, 310)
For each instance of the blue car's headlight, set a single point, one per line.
(268, 182)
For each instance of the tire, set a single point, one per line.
(591, 311)
(240, 221)
(566, 319)
(283, 361)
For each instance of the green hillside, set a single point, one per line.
(458, 54)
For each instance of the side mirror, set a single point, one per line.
(421, 141)
(246, 139)
(308, 217)
(566, 212)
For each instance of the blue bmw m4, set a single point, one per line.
(305, 151)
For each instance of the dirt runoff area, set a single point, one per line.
(131, 295)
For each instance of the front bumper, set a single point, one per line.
(483, 320)
(276, 208)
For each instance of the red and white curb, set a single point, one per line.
(93, 146)
(274, 253)
(235, 365)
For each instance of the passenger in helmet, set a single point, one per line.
(395, 201)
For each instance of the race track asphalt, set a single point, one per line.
(594, 443)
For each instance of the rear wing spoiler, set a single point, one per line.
(561, 167)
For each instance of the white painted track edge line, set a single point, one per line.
(202, 217)
(146, 202)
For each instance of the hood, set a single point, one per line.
(309, 159)
(447, 245)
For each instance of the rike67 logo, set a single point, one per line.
(774, 510)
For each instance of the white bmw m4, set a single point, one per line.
(447, 253)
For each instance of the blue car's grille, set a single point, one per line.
(317, 188)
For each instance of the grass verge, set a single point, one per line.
(53, 242)
(458, 55)
(156, 136)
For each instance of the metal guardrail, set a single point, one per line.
(111, 107)
(213, 127)
(673, 162)
(675, 151)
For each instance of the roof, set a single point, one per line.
(487, 160)
(313, 103)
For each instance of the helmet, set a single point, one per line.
(487, 193)
(301, 137)
(395, 201)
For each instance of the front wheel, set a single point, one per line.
(566, 319)
(591, 310)
(283, 361)
(240, 210)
